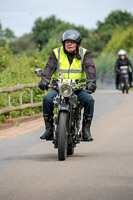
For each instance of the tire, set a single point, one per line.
(70, 151)
(62, 136)
(126, 86)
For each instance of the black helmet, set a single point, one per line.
(72, 34)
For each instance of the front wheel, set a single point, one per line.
(62, 136)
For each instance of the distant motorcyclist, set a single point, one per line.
(73, 62)
(122, 61)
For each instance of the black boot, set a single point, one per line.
(86, 134)
(48, 134)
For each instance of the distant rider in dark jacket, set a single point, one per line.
(122, 61)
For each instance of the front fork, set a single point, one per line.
(74, 116)
(56, 123)
(123, 81)
(77, 135)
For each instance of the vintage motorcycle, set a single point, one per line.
(124, 79)
(67, 115)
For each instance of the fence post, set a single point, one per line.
(9, 101)
(20, 101)
(31, 96)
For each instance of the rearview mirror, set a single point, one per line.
(38, 72)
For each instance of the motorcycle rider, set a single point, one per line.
(71, 62)
(122, 61)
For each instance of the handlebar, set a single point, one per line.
(81, 87)
(38, 73)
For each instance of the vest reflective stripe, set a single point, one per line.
(82, 56)
(73, 71)
(69, 71)
(58, 59)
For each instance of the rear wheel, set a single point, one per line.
(127, 90)
(126, 86)
(62, 136)
(70, 150)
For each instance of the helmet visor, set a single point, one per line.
(73, 35)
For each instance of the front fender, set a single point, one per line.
(63, 107)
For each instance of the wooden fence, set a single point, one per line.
(107, 80)
(22, 106)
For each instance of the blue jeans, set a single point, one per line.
(85, 99)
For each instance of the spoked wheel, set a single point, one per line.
(62, 136)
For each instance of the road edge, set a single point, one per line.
(16, 121)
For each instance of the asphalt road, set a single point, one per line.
(100, 170)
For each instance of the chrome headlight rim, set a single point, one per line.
(65, 90)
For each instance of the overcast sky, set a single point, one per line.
(20, 15)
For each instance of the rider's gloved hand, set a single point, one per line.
(91, 85)
(43, 84)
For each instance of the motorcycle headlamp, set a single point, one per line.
(65, 90)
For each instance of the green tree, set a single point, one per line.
(25, 44)
(114, 24)
(1, 31)
(8, 34)
(95, 42)
(2, 42)
(42, 29)
(116, 20)
(120, 40)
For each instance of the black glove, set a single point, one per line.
(43, 84)
(91, 85)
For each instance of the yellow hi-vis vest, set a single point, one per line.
(65, 70)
